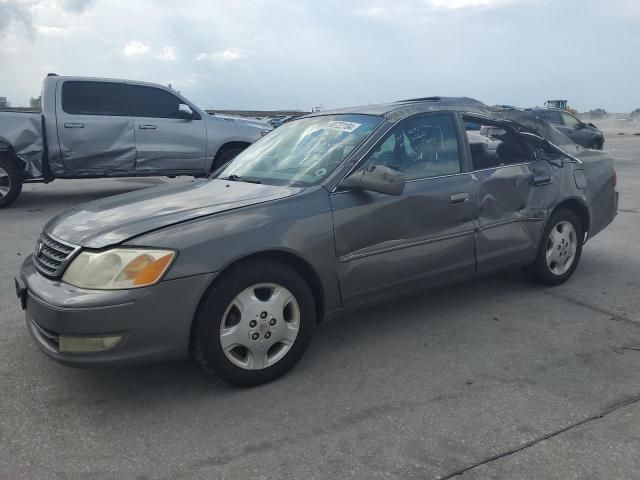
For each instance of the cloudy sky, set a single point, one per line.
(298, 54)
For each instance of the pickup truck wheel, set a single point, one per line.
(560, 249)
(10, 181)
(225, 156)
(254, 323)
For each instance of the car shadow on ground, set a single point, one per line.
(336, 344)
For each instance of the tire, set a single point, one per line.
(225, 156)
(561, 240)
(242, 310)
(597, 145)
(10, 181)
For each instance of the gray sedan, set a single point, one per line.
(328, 212)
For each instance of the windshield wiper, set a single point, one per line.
(238, 178)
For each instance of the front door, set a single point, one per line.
(389, 244)
(95, 127)
(165, 140)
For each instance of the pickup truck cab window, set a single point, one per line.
(420, 147)
(94, 98)
(153, 102)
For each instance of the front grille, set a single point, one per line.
(52, 255)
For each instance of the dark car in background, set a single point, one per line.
(330, 211)
(585, 134)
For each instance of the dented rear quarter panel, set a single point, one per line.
(23, 133)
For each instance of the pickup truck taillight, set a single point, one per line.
(614, 178)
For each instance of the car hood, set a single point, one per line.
(249, 122)
(116, 219)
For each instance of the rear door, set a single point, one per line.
(510, 219)
(389, 244)
(95, 127)
(164, 141)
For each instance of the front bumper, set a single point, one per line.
(154, 322)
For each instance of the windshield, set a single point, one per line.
(302, 152)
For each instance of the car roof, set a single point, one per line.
(396, 111)
(544, 109)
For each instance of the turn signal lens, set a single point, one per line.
(118, 268)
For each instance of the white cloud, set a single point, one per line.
(458, 4)
(168, 53)
(135, 48)
(48, 29)
(222, 56)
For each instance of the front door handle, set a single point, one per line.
(458, 198)
(74, 125)
(146, 126)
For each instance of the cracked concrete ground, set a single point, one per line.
(495, 378)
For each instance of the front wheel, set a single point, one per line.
(254, 323)
(560, 249)
(10, 181)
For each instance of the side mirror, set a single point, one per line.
(377, 178)
(580, 126)
(185, 112)
(591, 125)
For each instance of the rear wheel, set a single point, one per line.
(10, 181)
(254, 323)
(560, 249)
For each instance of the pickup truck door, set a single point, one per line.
(388, 244)
(95, 127)
(165, 139)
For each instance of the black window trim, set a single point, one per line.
(127, 104)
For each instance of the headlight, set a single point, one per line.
(118, 268)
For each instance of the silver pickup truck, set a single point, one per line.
(95, 128)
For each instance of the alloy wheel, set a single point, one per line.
(260, 326)
(5, 183)
(562, 245)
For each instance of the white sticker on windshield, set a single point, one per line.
(343, 126)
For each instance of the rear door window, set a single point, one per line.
(494, 145)
(154, 102)
(94, 98)
(550, 116)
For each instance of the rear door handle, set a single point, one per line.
(74, 125)
(458, 198)
(146, 126)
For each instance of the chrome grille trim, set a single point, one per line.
(52, 255)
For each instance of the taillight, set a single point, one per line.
(614, 178)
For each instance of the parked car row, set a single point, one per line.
(94, 128)
(330, 211)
